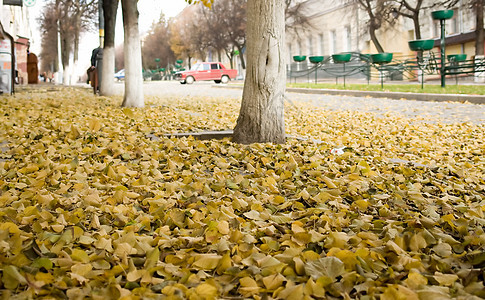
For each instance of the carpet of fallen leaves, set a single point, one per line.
(95, 201)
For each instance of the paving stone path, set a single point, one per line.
(423, 111)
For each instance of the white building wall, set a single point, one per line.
(15, 20)
(330, 19)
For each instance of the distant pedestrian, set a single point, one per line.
(93, 71)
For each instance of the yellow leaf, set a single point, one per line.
(329, 182)
(206, 261)
(273, 282)
(314, 289)
(224, 264)
(398, 292)
(248, 287)
(80, 255)
(362, 204)
(294, 292)
(128, 112)
(81, 269)
(445, 279)
(415, 279)
(45, 278)
(206, 291)
(12, 277)
(94, 124)
(223, 227)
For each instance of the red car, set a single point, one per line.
(206, 71)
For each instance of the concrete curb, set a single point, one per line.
(475, 99)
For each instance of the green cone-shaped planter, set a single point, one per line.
(341, 58)
(442, 14)
(456, 57)
(316, 59)
(421, 45)
(381, 58)
(299, 58)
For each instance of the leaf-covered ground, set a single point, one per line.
(96, 202)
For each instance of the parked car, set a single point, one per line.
(120, 75)
(206, 71)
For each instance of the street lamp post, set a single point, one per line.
(157, 60)
(442, 15)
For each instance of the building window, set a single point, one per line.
(455, 24)
(411, 35)
(347, 42)
(321, 43)
(333, 42)
(436, 28)
(310, 46)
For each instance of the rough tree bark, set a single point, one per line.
(261, 116)
(479, 48)
(66, 43)
(373, 36)
(132, 52)
(110, 7)
(374, 11)
(412, 13)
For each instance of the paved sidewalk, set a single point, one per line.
(475, 99)
(436, 109)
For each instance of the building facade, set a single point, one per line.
(14, 18)
(342, 26)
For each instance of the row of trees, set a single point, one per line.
(63, 21)
(219, 30)
(383, 13)
(261, 116)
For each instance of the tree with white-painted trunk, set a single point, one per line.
(132, 52)
(110, 7)
(261, 116)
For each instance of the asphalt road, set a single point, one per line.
(446, 112)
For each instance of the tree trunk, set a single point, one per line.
(65, 53)
(132, 53)
(261, 117)
(375, 41)
(77, 30)
(417, 27)
(57, 68)
(110, 7)
(479, 43)
(241, 56)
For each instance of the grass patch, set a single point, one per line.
(405, 88)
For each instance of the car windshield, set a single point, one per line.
(195, 67)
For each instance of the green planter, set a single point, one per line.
(179, 61)
(299, 58)
(341, 58)
(421, 45)
(442, 14)
(456, 57)
(381, 58)
(316, 59)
